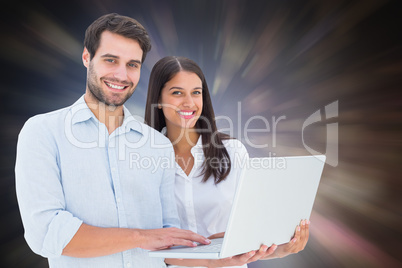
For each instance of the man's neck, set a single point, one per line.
(111, 116)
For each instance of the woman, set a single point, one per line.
(179, 105)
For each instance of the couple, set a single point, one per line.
(84, 205)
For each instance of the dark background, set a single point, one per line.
(267, 58)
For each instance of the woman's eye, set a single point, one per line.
(197, 92)
(176, 92)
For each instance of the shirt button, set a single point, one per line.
(113, 169)
(118, 200)
(128, 264)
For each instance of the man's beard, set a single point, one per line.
(97, 92)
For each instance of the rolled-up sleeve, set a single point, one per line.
(48, 226)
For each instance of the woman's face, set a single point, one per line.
(181, 100)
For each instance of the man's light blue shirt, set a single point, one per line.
(69, 170)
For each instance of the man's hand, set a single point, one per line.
(167, 237)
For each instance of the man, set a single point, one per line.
(83, 202)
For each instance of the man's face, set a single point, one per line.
(114, 71)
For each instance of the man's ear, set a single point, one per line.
(85, 57)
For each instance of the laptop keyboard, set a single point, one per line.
(213, 247)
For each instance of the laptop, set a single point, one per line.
(273, 195)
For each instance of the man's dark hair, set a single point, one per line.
(115, 23)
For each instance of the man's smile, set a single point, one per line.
(115, 87)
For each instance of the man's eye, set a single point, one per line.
(110, 60)
(133, 65)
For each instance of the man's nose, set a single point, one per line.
(120, 73)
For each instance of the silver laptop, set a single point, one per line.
(273, 195)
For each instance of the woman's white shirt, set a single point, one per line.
(204, 207)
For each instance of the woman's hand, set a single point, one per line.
(242, 259)
(217, 235)
(238, 260)
(296, 244)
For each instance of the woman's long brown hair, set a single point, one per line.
(217, 161)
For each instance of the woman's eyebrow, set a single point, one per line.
(176, 88)
(180, 88)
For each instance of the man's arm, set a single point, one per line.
(90, 241)
(50, 229)
(48, 226)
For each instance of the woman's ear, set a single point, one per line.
(85, 57)
(159, 103)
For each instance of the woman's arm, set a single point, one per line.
(237, 260)
(297, 244)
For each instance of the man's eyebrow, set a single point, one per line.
(117, 57)
(109, 56)
(136, 61)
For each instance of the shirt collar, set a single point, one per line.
(164, 131)
(81, 112)
(130, 122)
(197, 145)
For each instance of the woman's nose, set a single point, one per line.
(188, 101)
